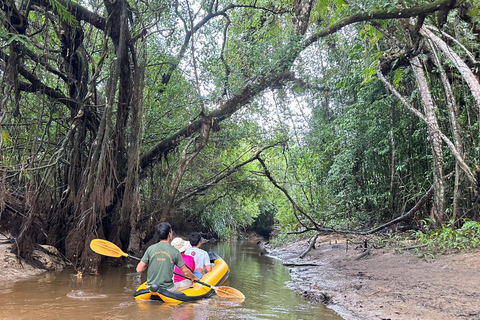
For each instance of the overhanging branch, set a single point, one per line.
(229, 107)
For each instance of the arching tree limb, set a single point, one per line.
(225, 174)
(403, 217)
(295, 206)
(461, 66)
(382, 15)
(224, 111)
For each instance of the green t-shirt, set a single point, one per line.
(161, 259)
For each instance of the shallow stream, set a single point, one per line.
(110, 295)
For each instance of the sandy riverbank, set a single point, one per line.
(385, 284)
(14, 269)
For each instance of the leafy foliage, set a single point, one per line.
(449, 237)
(343, 152)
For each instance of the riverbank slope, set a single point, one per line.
(14, 269)
(384, 284)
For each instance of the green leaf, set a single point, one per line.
(62, 12)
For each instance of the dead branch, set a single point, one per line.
(415, 247)
(310, 247)
(363, 254)
(403, 217)
(300, 265)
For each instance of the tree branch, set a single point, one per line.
(37, 86)
(393, 14)
(294, 204)
(229, 107)
(226, 174)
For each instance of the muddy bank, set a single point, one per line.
(14, 269)
(384, 284)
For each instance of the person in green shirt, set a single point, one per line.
(161, 258)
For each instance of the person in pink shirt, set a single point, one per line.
(182, 245)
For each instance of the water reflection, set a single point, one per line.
(110, 295)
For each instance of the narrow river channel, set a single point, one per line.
(110, 295)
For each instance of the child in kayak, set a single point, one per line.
(182, 245)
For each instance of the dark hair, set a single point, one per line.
(195, 238)
(163, 229)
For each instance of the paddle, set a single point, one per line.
(110, 249)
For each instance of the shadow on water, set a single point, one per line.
(110, 295)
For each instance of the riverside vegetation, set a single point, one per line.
(285, 117)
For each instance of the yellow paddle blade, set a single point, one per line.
(107, 248)
(229, 293)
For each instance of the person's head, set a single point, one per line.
(180, 244)
(195, 238)
(163, 230)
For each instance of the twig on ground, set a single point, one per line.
(417, 246)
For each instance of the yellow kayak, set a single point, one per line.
(197, 291)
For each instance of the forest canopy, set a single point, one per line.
(311, 115)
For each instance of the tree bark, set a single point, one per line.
(434, 137)
(458, 157)
(455, 127)
(461, 66)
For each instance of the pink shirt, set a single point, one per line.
(189, 262)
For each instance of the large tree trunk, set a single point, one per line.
(435, 139)
(455, 127)
(130, 210)
(101, 182)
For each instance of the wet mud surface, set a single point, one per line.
(384, 284)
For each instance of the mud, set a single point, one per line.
(13, 268)
(384, 284)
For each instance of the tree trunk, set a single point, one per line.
(455, 127)
(183, 163)
(435, 139)
(458, 62)
(131, 201)
(465, 168)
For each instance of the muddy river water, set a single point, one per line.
(262, 280)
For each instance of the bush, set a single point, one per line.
(449, 237)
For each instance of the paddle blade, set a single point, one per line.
(229, 293)
(106, 248)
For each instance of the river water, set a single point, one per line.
(61, 295)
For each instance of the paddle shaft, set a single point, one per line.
(205, 284)
(181, 275)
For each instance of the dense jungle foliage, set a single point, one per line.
(220, 116)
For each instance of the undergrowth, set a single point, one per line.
(448, 237)
(431, 241)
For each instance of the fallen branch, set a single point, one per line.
(405, 216)
(300, 265)
(417, 246)
(363, 254)
(310, 247)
